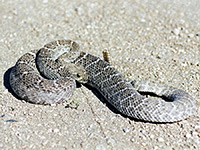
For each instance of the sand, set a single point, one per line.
(148, 40)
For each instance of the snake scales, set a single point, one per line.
(61, 62)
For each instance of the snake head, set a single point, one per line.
(78, 73)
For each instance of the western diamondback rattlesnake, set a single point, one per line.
(61, 63)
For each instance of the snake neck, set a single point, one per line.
(101, 74)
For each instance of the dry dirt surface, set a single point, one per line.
(148, 40)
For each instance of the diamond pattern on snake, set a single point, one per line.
(49, 75)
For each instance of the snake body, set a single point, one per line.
(61, 63)
(28, 84)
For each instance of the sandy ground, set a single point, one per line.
(148, 40)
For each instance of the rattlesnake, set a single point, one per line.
(61, 62)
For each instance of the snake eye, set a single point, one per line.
(78, 75)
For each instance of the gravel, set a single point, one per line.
(148, 40)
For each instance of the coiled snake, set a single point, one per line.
(61, 62)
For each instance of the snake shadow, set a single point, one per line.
(6, 83)
(113, 109)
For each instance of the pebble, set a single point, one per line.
(188, 135)
(45, 1)
(56, 130)
(1, 145)
(100, 147)
(160, 139)
(191, 35)
(111, 141)
(176, 31)
(152, 136)
(125, 130)
(5, 91)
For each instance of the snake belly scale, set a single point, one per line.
(48, 76)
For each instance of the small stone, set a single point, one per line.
(45, 142)
(111, 141)
(5, 91)
(43, 137)
(100, 147)
(152, 136)
(176, 31)
(56, 130)
(161, 139)
(143, 20)
(125, 130)
(45, 1)
(188, 135)
(132, 140)
(156, 147)
(191, 35)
